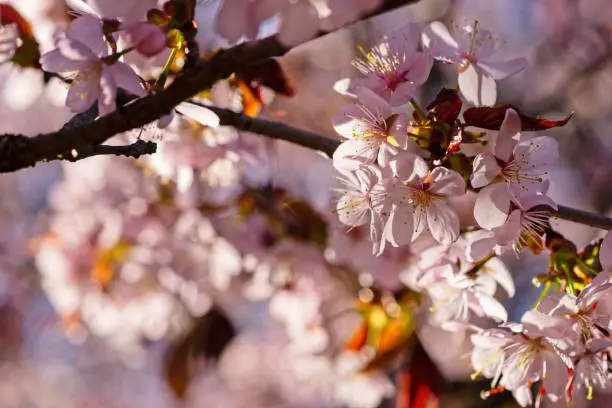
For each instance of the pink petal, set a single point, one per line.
(485, 170)
(84, 91)
(492, 308)
(554, 377)
(356, 149)
(402, 94)
(108, 92)
(481, 244)
(446, 182)
(501, 70)
(408, 167)
(127, 79)
(352, 209)
(492, 206)
(87, 29)
(605, 252)
(76, 50)
(505, 142)
(477, 87)
(485, 44)
(373, 102)
(200, 114)
(55, 61)
(399, 228)
(510, 232)
(440, 42)
(498, 270)
(538, 200)
(538, 151)
(347, 119)
(420, 67)
(443, 222)
(405, 40)
(299, 24)
(397, 130)
(231, 20)
(148, 39)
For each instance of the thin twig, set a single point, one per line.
(134, 150)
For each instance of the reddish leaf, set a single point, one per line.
(419, 382)
(28, 53)
(491, 117)
(445, 107)
(8, 15)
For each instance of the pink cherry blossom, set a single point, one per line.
(393, 68)
(516, 361)
(368, 125)
(471, 50)
(84, 52)
(521, 228)
(512, 173)
(364, 200)
(591, 369)
(419, 200)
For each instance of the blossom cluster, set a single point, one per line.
(427, 209)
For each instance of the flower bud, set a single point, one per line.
(148, 39)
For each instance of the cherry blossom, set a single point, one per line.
(364, 201)
(419, 200)
(368, 125)
(471, 49)
(517, 360)
(512, 173)
(83, 51)
(521, 229)
(393, 68)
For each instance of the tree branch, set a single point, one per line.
(19, 151)
(328, 146)
(135, 150)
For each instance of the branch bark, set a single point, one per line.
(19, 151)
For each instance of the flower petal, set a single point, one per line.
(492, 206)
(87, 29)
(127, 79)
(55, 61)
(485, 170)
(440, 42)
(352, 209)
(443, 222)
(446, 182)
(477, 87)
(408, 167)
(505, 142)
(492, 308)
(200, 114)
(108, 92)
(84, 91)
(537, 152)
(501, 70)
(399, 227)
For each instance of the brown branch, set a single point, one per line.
(134, 150)
(19, 151)
(328, 146)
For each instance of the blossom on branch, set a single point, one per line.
(97, 75)
(471, 49)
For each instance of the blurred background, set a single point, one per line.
(109, 297)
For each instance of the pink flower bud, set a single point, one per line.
(148, 39)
